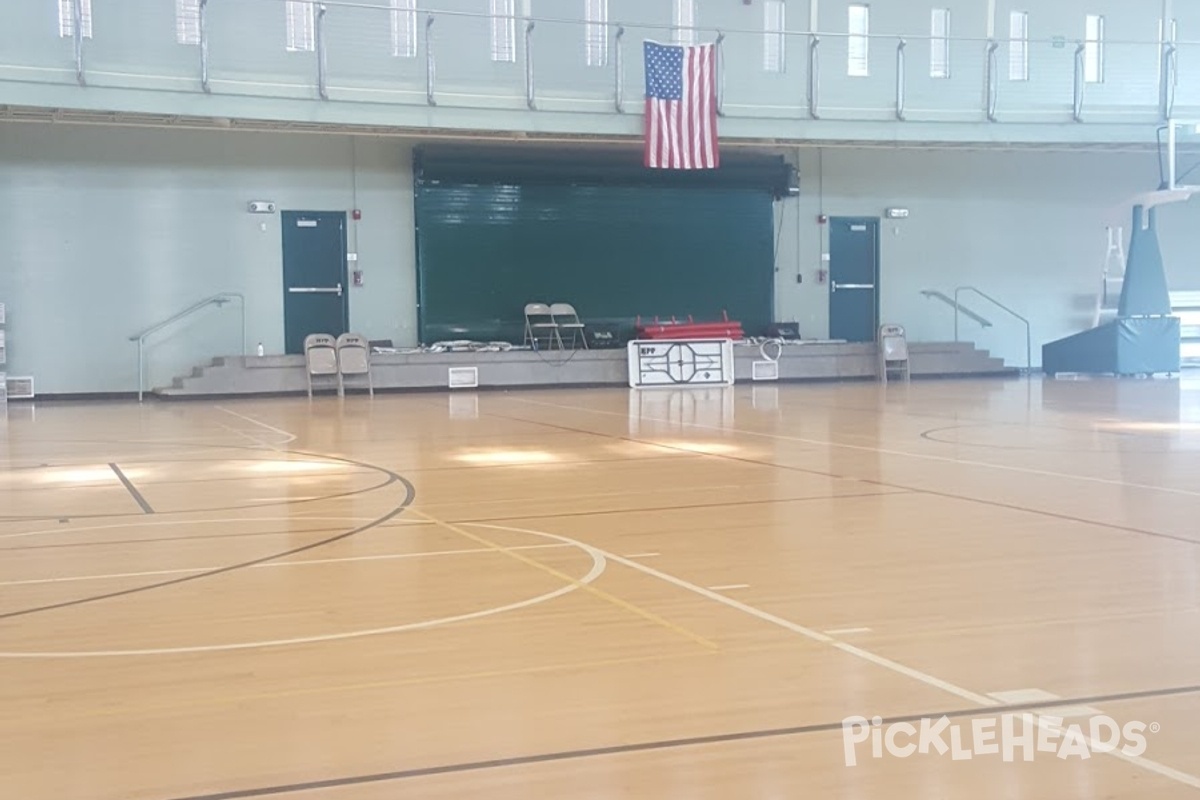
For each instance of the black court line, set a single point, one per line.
(137, 496)
(671, 744)
(392, 477)
(686, 507)
(869, 481)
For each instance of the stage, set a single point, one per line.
(520, 368)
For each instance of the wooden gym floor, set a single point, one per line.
(603, 594)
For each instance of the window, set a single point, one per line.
(858, 46)
(1166, 37)
(1018, 46)
(301, 26)
(774, 42)
(66, 18)
(504, 31)
(596, 32)
(685, 22)
(187, 21)
(939, 44)
(404, 28)
(1093, 49)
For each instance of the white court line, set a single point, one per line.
(643, 555)
(729, 587)
(598, 566)
(289, 437)
(277, 564)
(166, 522)
(880, 450)
(844, 631)
(929, 680)
(886, 663)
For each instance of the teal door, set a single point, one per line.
(853, 278)
(314, 276)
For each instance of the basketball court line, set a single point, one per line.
(865, 448)
(599, 563)
(133, 492)
(985, 701)
(288, 437)
(403, 505)
(277, 564)
(651, 746)
(889, 484)
(649, 616)
(809, 633)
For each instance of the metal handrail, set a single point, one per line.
(719, 66)
(202, 24)
(530, 88)
(966, 312)
(322, 62)
(619, 61)
(217, 299)
(1002, 307)
(77, 36)
(901, 74)
(1080, 83)
(430, 62)
(814, 77)
(993, 81)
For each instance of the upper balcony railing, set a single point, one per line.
(353, 52)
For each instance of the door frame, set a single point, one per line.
(878, 223)
(290, 214)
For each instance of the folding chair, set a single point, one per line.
(320, 359)
(566, 319)
(893, 352)
(538, 320)
(354, 359)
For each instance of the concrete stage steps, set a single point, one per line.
(250, 375)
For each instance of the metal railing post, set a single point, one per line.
(141, 381)
(322, 87)
(430, 62)
(814, 76)
(530, 89)
(901, 69)
(619, 61)
(77, 17)
(1167, 79)
(719, 65)
(202, 22)
(1077, 107)
(993, 80)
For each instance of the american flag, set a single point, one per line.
(681, 106)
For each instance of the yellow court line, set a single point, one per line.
(225, 699)
(603, 595)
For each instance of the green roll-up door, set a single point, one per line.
(615, 248)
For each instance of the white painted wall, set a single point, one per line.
(1027, 228)
(107, 231)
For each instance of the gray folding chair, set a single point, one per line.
(893, 352)
(538, 322)
(566, 319)
(354, 359)
(320, 359)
